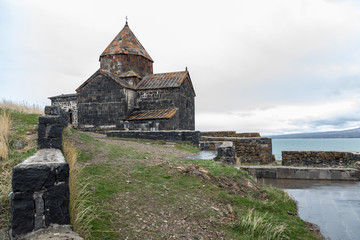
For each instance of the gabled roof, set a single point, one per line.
(152, 114)
(110, 75)
(164, 80)
(64, 96)
(126, 43)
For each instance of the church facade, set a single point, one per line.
(125, 94)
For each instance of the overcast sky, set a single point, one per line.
(273, 67)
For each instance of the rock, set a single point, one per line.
(230, 209)
(29, 133)
(56, 200)
(19, 144)
(22, 212)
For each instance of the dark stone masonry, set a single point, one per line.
(40, 184)
(320, 158)
(184, 136)
(249, 148)
(125, 94)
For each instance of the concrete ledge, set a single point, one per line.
(279, 172)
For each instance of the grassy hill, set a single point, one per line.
(136, 189)
(148, 190)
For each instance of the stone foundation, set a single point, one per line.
(176, 135)
(254, 150)
(320, 158)
(229, 134)
(282, 172)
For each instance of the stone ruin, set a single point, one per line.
(40, 191)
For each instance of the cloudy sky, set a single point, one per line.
(279, 66)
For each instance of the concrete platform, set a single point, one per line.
(311, 173)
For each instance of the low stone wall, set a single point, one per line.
(209, 145)
(51, 127)
(40, 184)
(228, 134)
(176, 135)
(40, 192)
(226, 153)
(248, 150)
(282, 172)
(320, 158)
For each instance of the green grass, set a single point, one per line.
(124, 193)
(21, 123)
(186, 146)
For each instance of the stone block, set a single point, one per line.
(32, 178)
(56, 201)
(50, 120)
(22, 213)
(62, 173)
(55, 131)
(52, 110)
(301, 174)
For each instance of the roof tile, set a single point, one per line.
(152, 114)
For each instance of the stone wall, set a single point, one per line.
(51, 126)
(320, 158)
(252, 150)
(68, 103)
(228, 134)
(122, 63)
(181, 98)
(40, 192)
(282, 172)
(187, 136)
(102, 102)
(40, 184)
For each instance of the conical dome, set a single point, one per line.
(126, 43)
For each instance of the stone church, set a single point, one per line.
(125, 94)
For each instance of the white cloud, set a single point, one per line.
(257, 59)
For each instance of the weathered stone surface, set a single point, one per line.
(52, 110)
(320, 158)
(187, 136)
(31, 179)
(50, 143)
(62, 173)
(226, 153)
(310, 173)
(51, 119)
(39, 171)
(22, 213)
(53, 232)
(56, 200)
(253, 150)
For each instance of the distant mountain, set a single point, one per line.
(351, 133)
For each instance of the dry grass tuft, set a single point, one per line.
(81, 213)
(5, 125)
(22, 107)
(261, 226)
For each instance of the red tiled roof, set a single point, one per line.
(126, 43)
(152, 114)
(162, 80)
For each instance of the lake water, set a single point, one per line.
(333, 205)
(326, 144)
